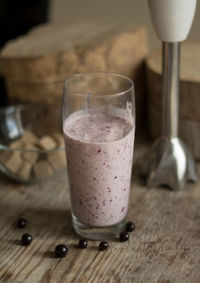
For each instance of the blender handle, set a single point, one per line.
(172, 19)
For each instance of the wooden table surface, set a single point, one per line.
(165, 247)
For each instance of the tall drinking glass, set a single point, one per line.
(99, 129)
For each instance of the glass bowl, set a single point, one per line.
(31, 142)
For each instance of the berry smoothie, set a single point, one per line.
(99, 148)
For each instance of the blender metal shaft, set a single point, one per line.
(170, 92)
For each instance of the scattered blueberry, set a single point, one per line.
(61, 250)
(124, 236)
(130, 226)
(103, 246)
(21, 223)
(26, 239)
(83, 243)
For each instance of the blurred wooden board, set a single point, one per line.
(189, 94)
(35, 65)
(165, 247)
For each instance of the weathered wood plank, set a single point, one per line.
(165, 247)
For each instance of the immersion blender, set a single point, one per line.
(169, 161)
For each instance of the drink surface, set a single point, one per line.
(99, 150)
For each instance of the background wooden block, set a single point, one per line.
(35, 65)
(189, 95)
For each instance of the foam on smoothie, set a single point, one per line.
(97, 127)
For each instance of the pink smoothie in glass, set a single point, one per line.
(99, 150)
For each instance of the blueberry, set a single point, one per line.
(103, 246)
(21, 223)
(83, 243)
(124, 236)
(26, 239)
(130, 226)
(61, 250)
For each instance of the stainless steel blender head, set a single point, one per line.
(169, 162)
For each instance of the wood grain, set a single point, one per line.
(165, 247)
